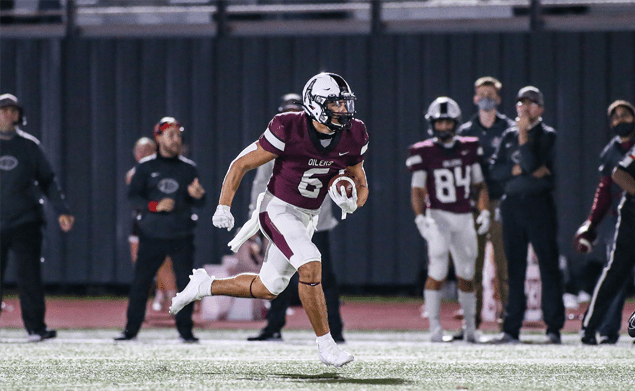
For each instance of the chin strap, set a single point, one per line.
(310, 283)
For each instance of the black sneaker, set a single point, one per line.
(126, 337)
(608, 339)
(589, 339)
(267, 336)
(553, 339)
(458, 336)
(504, 339)
(189, 338)
(631, 325)
(42, 335)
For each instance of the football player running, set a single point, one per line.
(309, 148)
(445, 170)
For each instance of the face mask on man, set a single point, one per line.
(486, 103)
(624, 129)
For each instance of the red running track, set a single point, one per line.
(86, 313)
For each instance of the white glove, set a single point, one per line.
(424, 225)
(223, 218)
(348, 205)
(483, 220)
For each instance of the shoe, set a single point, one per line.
(437, 335)
(608, 340)
(189, 338)
(191, 291)
(473, 336)
(504, 339)
(126, 337)
(459, 336)
(588, 339)
(266, 336)
(631, 325)
(553, 339)
(42, 335)
(332, 355)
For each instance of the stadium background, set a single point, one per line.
(89, 98)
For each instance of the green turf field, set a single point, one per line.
(224, 360)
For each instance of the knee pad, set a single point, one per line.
(438, 268)
(464, 270)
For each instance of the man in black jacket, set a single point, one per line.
(524, 163)
(164, 188)
(25, 175)
(488, 125)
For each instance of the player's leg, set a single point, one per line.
(438, 256)
(500, 261)
(329, 286)
(277, 314)
(5, 240)
(542, 233)
(463, 248)
(181, 253)
(478, 275)
(515, 240)
(166, 285)
(151, 254)
(27, 246)
(612, 278)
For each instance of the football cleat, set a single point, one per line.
(191, 291)
(332, 355)
(631, 325)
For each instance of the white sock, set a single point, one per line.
(206, 287)
(433, 307)
(468, 303)
(325, 340)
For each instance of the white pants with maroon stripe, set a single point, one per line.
(289, 230)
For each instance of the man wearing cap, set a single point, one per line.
(488, 125)
(604, 313)
(25, 175)
(524, 163)
(164, 188)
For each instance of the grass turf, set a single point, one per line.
(224, 360)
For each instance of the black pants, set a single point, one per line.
(532, 219)
(615, 274)
(152, 253)
(25, 242)
(276, 316)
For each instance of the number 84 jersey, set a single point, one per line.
(447, 173)
(305, 164)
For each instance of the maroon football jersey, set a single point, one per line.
(304, 167)
(449, 171)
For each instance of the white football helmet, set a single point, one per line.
(325, 88)
(443, 108)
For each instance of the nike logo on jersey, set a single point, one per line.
(344, 153)
(465, 152)
(508, 145)
(154, 174)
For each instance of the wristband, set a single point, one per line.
(152, 206)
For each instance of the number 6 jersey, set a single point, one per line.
(305, 165)
(447, 173)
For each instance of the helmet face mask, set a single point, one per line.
(324, 96)
(443, 108)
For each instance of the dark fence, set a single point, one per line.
(88, 100)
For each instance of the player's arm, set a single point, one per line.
(251, 157)
(418, 200)
(418, 196)
(362, 190)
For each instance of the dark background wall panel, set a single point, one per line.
(78, 128)
(103, 147)
(89, 100)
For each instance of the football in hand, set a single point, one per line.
(345, 180)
